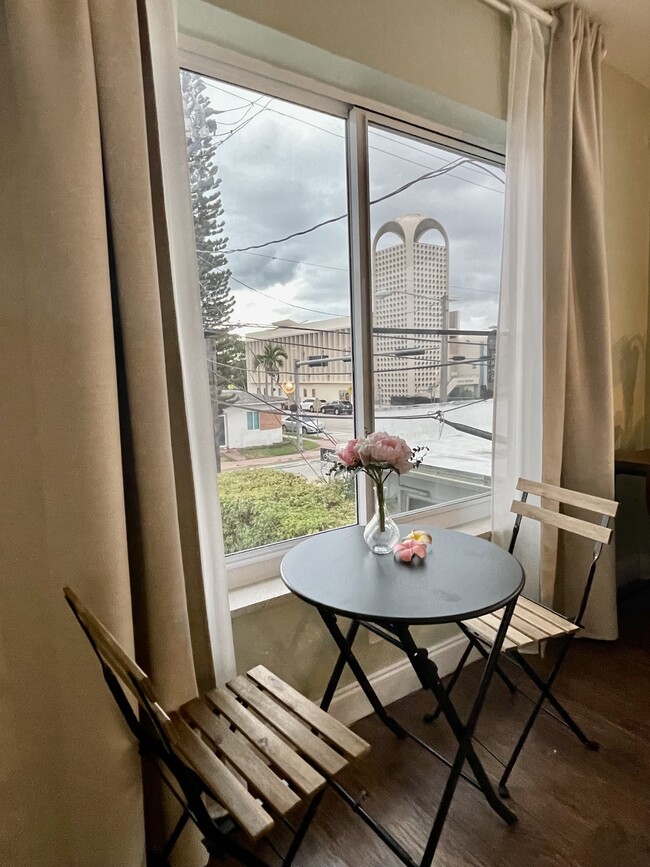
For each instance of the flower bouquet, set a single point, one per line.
(378, 455)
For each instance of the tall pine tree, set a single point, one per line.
(225, 350)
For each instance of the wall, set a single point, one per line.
(626, 109)
(238, 436)
(446, 60)
(626, 133)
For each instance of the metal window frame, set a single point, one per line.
(259, 564)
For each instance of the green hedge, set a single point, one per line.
(267, 505)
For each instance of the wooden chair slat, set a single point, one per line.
(295, 768)
(238, 752)
(527, 607)
(222, 784)
(570, 498)
(487, 632)
(562, 522)
(520, 639)
(293, 729)
(113, 653)
(347, 741)
(530, 629)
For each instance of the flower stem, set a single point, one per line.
(381, 506)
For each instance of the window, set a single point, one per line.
(278, 190)
(269, 194)
(436, 232)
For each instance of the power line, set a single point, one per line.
(427, 176)
(279, 300)
(295, 261)
(337, 268)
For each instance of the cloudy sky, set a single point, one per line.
(283, 171)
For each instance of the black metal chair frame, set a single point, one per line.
(154, 745)
(515, 657)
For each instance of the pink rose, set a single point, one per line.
(364, 451)
(391, 450)
(348, 454)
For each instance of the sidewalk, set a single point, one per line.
(271, 461)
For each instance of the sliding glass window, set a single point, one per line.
(273, 218)
(436, 224)
(269, 195)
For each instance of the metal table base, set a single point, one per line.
(427, 672)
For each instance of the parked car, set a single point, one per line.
(294, 423)
(337, 407)
(309, 404)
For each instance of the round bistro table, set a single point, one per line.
(460, 578)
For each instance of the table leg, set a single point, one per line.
(428, 673)
(346, 656)
(337, 671)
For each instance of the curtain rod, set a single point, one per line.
(525, 6)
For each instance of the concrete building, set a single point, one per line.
(326, 339)
(410, 290)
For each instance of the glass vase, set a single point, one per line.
(381, 532)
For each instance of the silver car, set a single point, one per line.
(294, 423)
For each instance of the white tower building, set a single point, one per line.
(410, 290)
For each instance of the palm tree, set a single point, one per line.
(272, 360)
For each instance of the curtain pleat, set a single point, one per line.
(517, 428)
(97, 487)
(578, 450)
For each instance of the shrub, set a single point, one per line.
(267, 505)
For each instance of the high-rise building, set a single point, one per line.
(410, 290)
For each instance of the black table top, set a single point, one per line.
(461, 577)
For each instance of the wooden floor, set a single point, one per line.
(574, 807)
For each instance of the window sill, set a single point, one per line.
(272, 591)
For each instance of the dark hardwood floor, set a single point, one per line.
(575, 807)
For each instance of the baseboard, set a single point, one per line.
(396, 681)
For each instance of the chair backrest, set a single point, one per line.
(153, 728)
(116, 660)
(600, 533)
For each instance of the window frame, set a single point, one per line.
(258, 565)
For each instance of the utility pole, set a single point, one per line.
(444, 349)
(296, 394)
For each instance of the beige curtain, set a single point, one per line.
(96, 482)
(578, 447)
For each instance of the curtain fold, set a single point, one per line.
(578, 448)
(517, 425)
(98, 478)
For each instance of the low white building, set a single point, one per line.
(249, 422)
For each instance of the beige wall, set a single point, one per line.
(447, 60)
(455, 47)
(626, 109)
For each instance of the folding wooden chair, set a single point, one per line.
(236, 758)
(532, 622)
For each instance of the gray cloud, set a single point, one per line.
(281, 175)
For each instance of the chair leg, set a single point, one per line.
(431, 717)
(552, 700)
(173, 840)
(473, 642)
(545, 693)
(299, 835)
(500, 673)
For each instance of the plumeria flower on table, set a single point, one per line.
(420, 536)
(409, 550)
